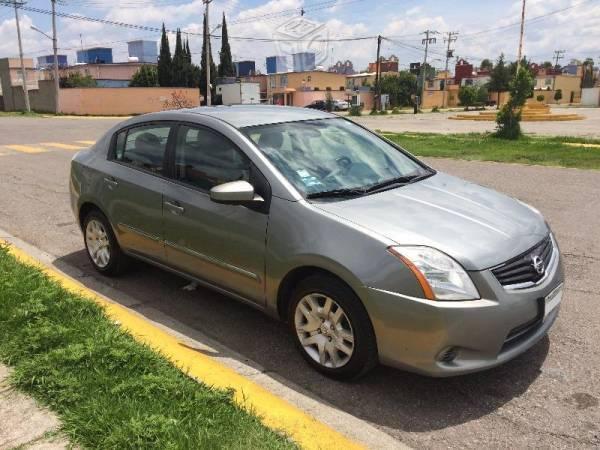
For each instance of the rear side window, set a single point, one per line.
(143, 147)
(205, 159)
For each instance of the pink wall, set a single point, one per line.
(123, 101)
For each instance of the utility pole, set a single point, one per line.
(208, 64)
(55, 50)
(426, 41)
(558, 55)
(451, 37)
(520, 54)
(23, 73)
(377, 76)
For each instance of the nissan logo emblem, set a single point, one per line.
(538, 264)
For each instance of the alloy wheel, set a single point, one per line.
(98, 244)
(324, 330)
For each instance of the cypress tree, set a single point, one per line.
(226, 67)
(179, 62)
(203, 65)
(187, 51)
(165, 73)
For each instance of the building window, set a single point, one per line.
(308, 78)
(283, 80)
(272, 82)
(548, 81)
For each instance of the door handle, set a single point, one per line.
(111, 182)
(175, 207)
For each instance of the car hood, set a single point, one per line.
(477, 226)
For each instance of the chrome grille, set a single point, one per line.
(521, 269)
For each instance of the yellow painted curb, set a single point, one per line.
(274, 412)
(579, 144)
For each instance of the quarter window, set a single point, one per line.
(205, 159)
(143, 147)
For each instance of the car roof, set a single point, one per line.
(252, 115)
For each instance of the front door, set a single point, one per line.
(221, 244)
(133, 188)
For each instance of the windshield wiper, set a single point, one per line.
(399, 181)
(337, 193)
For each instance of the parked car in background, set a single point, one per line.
(320, 105)
(341, 105)
(368, 254)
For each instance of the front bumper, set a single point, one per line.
(444, 338)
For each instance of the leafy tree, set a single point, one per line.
(146, 76)
(499, 78)
(400, 87)
(509, 117)
(226, 67)
(467, 95)
(77, 80)
(486, 64)
(204, 65)
(588, 73)
(524, 63)
(558, 95)
(482, 95)
(164, 61)
(547, 65)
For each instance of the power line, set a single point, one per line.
(558, 55)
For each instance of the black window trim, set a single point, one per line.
(111, 156)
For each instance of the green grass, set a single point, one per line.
(547, 151)
(110, 391)
(20, 114)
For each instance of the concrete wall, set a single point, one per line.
(590, 96)
(122, 101)
(40, 100)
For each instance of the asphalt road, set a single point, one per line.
(548, 397)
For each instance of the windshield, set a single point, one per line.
(332, 155)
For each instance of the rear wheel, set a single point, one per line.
(101, 245)
(332, 328)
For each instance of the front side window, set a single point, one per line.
(143, 147)
(319, 156)
(204, 159)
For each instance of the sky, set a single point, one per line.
(486, 28)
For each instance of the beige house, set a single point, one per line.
(547, 85)
(302, 88)
(106, 75)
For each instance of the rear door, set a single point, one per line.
(134, 187)
(222, 244)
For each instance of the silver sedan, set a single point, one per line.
(366, 252)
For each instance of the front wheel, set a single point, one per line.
(332, 328)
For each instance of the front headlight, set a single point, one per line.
(440, 276)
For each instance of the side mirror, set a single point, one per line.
(235, 193)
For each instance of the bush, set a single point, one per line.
(76, 80)
(558, 95)
(509, 117)
(383, 112)
(373, 112)
(435, 109)
(355, 110)
(540, 98)
(395, 110)
(146, 76)
(508, 123)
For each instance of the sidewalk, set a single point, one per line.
(23, 423)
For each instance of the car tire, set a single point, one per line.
(101, 245)
(322, 334)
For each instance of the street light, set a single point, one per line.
(34, 28)
(54, 51)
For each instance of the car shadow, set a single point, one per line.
(386, 397)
